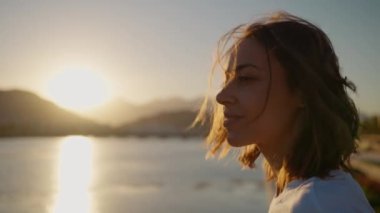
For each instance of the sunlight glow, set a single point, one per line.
(77, 89)
(75, 176)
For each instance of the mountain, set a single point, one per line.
(24, 113)
(114, 112)
(165, 124)
(118, 111)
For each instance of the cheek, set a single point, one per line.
(275, 119)
(258, 126)
(254, 102)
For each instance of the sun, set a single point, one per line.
(77, 89)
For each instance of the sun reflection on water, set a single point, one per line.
(75, 175)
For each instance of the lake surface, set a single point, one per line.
(123, 175)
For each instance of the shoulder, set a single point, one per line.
(339, 193)
(300, 198)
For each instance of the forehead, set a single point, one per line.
(248, 51)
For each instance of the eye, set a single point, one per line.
(246, 78)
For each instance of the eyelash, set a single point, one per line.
(240, 79)
(245, 78)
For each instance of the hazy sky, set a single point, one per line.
(156, 49)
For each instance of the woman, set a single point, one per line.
(284, 97)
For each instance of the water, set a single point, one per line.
(130, 175)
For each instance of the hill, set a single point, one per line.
(118, 111)
(24, 113)
(164, 124)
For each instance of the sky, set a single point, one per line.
(145, 50)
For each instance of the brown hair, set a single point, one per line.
(330, 120)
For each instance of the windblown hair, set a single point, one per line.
(329, 131)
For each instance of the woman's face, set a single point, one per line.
(243, 98)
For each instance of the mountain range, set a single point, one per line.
(118, 112)
(23, 113)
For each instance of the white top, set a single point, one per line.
(339, 193)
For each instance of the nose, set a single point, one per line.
(225, 96)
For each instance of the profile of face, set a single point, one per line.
(247, 119)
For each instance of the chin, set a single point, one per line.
(236, 141)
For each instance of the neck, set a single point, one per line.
(274, 155)
(278, 148)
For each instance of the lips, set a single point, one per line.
(230, 119)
